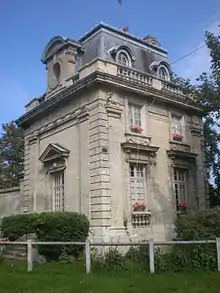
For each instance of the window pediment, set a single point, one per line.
(54, 152)
(139, 149)
(182, 158)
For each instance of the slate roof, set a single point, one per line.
(98, 42)
(102, 38)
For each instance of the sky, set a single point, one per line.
(26, 26)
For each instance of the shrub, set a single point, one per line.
(16, 226)
(112, 260)
(203, 225)
(65, 227)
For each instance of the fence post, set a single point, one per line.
(88, 257)
(151, 256)
(218, 252)
(29, 256)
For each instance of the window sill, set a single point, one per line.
(135, 134)
(179, 142)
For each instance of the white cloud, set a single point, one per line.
(199, 61)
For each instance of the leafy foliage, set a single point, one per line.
(206, 95)
(13, 227)
(11, 155)
(65, 227)
(204, 225)
(201, 225)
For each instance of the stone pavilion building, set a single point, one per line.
(113, 137)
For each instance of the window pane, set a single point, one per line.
(131, 170)
(134, 113)
(59, 200)
(123, 59)
(137, 182)
(176, 125)
(163, 73)
(180, 184)
(137, 116)
(130, 114)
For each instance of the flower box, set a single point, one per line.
(136, 128)
(139, 206)
(182, 206)
(177, 137)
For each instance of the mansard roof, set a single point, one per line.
(102, 39)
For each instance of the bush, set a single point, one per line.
(65, 227)
(14, 227)
(202, 225)
(68, 227)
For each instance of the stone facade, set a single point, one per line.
(112, 129)
(10, 201)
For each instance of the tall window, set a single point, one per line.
(134, 116)
(177, 124)
(58, 198)
(137, 182)
(180, 184)
(123, 59)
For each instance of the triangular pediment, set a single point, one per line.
(53, 151)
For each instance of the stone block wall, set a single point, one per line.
(10, 202)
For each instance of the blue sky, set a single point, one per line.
(27, 25)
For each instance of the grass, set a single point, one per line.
(68, 278)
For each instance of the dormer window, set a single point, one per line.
(123, 58)
(163, 73)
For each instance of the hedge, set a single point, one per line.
(65, 226)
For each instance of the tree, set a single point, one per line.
(206, 95)
(11, 155)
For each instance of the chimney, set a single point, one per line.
(125, 29)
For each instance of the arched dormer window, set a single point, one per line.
(123, 58)
(123, 55)
(163, 73)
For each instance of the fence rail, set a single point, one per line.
(151, 244)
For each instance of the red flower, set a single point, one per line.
(177, 136)
(137, 128)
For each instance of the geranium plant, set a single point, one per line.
(136, 128)
(139, 206)
(177, 137)
(182, 206)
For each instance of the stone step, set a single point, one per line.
(15, 257)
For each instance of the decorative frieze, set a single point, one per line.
(81, 114)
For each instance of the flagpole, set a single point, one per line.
(120, 12)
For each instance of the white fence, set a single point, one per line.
(88, 246)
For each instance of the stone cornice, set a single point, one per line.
(182, 154)
(100, 77)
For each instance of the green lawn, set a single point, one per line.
(68, 278)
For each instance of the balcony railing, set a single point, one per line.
(170, 87)
(144, 79)
(134, 76)
(141, 219)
